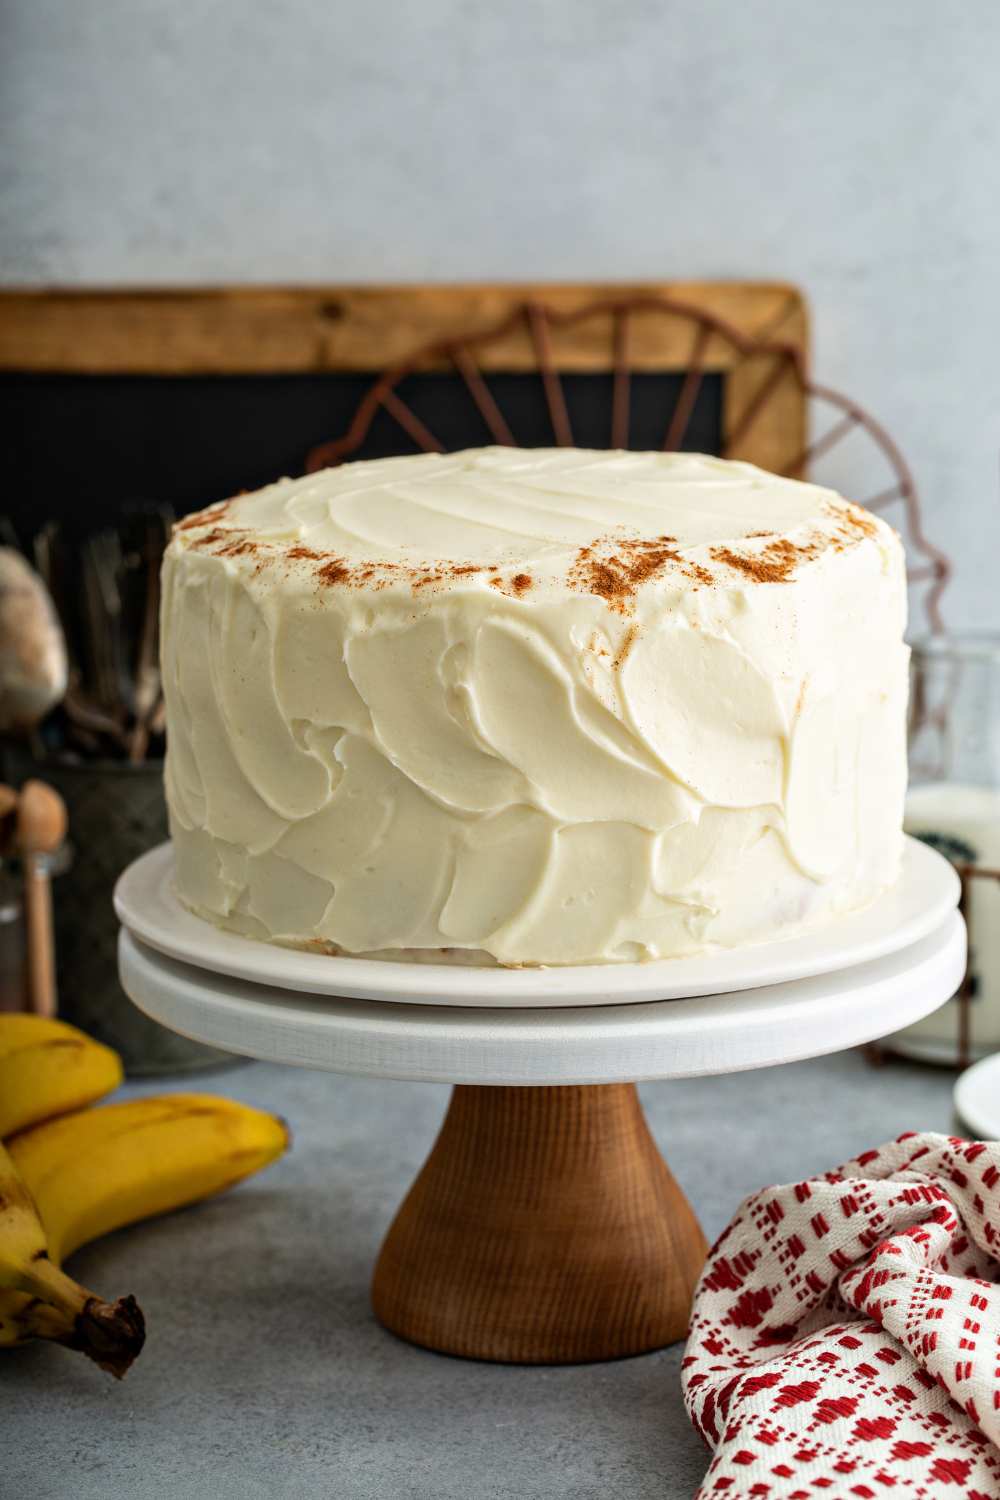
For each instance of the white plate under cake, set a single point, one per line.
(534, 706)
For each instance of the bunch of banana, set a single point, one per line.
(47, 1068)
(39, 1300)
(75, 1175)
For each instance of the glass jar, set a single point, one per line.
(954, 805)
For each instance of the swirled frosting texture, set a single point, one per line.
(547, 706)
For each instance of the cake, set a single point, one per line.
(534, 707)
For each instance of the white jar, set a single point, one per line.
(954, 805)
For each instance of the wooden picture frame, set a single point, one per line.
(754, 333)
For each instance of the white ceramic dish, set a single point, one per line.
(597, 1044)
(977, 1099)
(926, 892)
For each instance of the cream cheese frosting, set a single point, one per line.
(545, 706)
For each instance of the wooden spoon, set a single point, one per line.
(41, 828)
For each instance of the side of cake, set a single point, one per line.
(540, 706)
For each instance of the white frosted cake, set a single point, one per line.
(534, 706)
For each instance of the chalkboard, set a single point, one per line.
(80, 448)
(185, 397)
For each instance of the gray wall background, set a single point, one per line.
(853, 148)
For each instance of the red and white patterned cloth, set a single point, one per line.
(845, 1338)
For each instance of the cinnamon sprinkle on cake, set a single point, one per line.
(774, 563)
(335, 571)
(617, 576)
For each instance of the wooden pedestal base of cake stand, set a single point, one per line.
(544, 1228)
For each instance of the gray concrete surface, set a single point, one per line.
(851, 148)
(265, 1376)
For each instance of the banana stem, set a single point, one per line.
(110, 1333)
(40, 1278)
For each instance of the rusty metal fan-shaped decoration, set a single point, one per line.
(887, 481)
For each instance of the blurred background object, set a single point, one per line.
(81, 715)
(14, 991)
(40, 831)
(33, 666)
(106, 587)
(116, 812)
(954, 805)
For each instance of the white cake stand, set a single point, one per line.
(544, 1227)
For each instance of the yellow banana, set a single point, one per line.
(98, 1169)
(47, 1068)
(39, 1300)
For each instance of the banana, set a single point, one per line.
(99, 1169)
(40, 1300)
(47, 1068)
(96, 1170)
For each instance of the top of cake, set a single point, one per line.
(525, 521)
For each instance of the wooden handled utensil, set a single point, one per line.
(41, 828)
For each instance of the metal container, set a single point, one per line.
(13, 955)
(116, 812)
